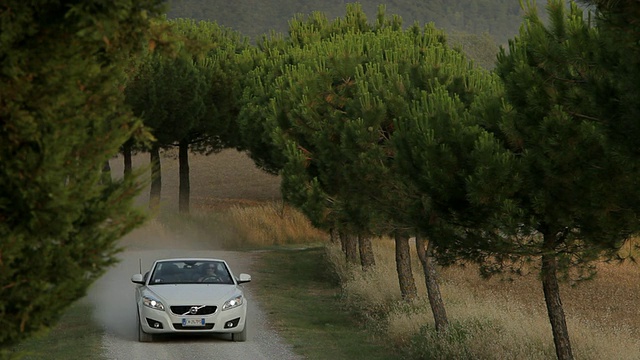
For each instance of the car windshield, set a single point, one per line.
(190, 272)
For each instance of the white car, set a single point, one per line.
(190, 295)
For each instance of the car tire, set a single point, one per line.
(241, 336)
(143, 336)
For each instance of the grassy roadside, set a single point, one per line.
(303, 302)
(75, 336)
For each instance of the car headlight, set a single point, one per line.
(233, 302)
(152, 303)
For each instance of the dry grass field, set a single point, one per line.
(499, 319)
(232, 203)
(218, 180)
(493, 319)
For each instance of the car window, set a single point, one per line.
(185, 272)
(166, 273)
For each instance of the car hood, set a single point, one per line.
(187, 294)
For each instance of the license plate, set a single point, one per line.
(193, 322)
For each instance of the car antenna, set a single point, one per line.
(140, 264)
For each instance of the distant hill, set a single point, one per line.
(500, 19)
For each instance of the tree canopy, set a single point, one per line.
(62, 68)
(187, 99)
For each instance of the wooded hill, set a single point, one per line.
(500, 19)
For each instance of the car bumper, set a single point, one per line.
(162, 322)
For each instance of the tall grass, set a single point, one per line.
(259, 224)
(495, 319)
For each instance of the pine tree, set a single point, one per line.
(61, 118)
(550, 168)
(439, 147)
(336, 113)
(168, 93)
(582, 186)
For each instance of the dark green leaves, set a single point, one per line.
(61, 118)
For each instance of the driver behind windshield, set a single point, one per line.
(210, 273)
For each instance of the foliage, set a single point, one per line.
(321, 116)
(269, 109)
(168, 93)
(340, 118)
(540, 160)
(572, 143)
(477, 35)
(61, 119)
(262, 66)
(273, 55)
(334, 110)
(619, 25)
(214, 50)
(189, 94)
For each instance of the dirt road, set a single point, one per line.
(227, 176)
(113, 298)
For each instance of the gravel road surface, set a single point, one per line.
(113, 298)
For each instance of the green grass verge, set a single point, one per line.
(75, 336)
(301, 297)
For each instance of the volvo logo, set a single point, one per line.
(194, 310)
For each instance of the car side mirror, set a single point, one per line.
(138, 279)
(243, 278)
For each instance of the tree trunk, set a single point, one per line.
(350, 247)
(156, 178)
(425, 253)
(552, 299)
(334, 236)
(343, 240)
(367, 259)
(185, 187)
(403, 266)
(126, 152)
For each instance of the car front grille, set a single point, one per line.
(186, 309)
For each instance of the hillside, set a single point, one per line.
(498, 18)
